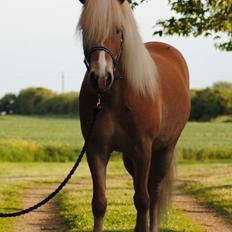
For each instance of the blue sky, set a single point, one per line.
(38, 44)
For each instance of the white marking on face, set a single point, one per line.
(102, 63)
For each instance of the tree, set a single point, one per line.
(223, 86)
(8, 103)
(225, 90)
(207, 104)
(31, 100)
(200, 17)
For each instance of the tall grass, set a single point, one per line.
(24, 151)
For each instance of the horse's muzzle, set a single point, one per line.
(103, 83)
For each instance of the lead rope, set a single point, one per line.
(96, 110)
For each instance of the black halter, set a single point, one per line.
(100, 48)
(115, 59)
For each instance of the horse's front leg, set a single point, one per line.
(97, 160)
(142, 159)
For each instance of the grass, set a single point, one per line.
(121, 214)
(66, 130)
(10, 201)
(211, 183)
(212, 180)
(76, 202)
(206, 134)
(15, 178)
(43, 130)
(58, 138)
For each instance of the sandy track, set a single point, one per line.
(45, 219)
(201, 214)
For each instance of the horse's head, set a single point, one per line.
(101, 24)
(102, 62)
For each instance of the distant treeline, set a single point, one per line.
(207, 103)
(211, 102)
(39, 101)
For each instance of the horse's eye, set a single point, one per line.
(118, 31)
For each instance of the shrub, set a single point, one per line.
(42, 101)
(30, 101)
(66, 103)
(207, 104)
(8, 103)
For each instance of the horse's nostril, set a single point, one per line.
(94, 80)
(109, 79)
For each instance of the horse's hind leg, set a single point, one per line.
(97, 161)
(160, 183)
(140, 160)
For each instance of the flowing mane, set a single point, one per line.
(99, 19)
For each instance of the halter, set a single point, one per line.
(115, 59)
(100, 48)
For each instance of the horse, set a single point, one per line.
(144, 93)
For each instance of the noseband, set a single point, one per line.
(115, 59)
(100, 48)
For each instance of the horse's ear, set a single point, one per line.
(82, 1)
(121, 1)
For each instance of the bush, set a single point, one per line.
(207, 104)
(31, 101)
(43, 101)
(66, 103)
(225, 90)
(8, 103)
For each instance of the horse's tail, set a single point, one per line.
(167, 186)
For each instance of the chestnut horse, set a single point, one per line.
(145, 105)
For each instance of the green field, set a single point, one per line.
(45, 130)
(66, 130)
(32, 138)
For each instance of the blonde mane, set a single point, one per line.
(98, 20)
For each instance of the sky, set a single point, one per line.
(38, 44)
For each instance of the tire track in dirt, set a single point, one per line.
(47, 218)
(203, 215)
(44, 219)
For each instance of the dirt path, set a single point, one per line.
(45, 219)
(201, 214)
